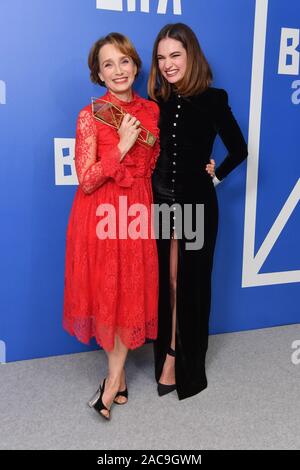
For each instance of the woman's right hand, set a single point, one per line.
(210, 168)
(128, 132)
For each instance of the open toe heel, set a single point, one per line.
(97, 403)
(123, 393)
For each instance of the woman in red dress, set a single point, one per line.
(111, 275)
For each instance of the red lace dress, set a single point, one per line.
(111, 285)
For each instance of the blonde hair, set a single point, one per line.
(118, 40)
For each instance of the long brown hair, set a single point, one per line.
(122, 43)
(198, 74)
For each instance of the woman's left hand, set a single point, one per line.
(210, 168)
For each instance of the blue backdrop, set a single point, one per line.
(253, 48)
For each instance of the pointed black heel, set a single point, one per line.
(97, 403)
(163, 389)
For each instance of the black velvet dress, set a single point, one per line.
(188, 128)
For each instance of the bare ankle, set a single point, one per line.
(113, 381)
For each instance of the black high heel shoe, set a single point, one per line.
(163, 389)
(123, 393)
(97, 403)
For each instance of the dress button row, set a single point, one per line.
(175, 154)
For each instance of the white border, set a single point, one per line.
(253, 263)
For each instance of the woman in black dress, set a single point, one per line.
(192, 113)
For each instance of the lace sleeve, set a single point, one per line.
(92, 173)
(156, 148)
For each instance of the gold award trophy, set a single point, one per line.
(112, 115)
